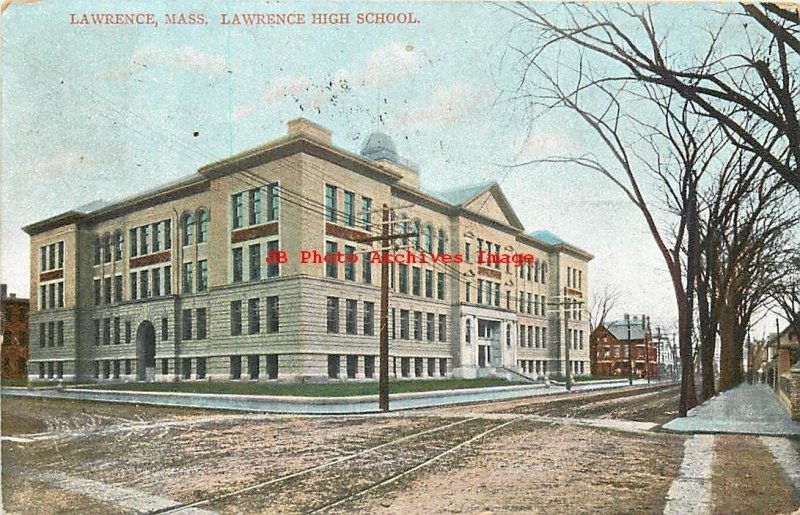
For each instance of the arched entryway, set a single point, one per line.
(146, 352)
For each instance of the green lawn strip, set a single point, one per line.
(305, 389)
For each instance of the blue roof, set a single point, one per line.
(460, 195)
(547, 237)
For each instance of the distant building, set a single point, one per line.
(14, 328)
(783, 351)
(609, 348)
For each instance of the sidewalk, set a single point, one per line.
(312, 405)
(746, 409)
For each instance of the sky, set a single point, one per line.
(103, 112)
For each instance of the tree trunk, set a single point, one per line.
(727, 358)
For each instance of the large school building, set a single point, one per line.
(175, 284)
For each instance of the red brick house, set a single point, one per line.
(14, 330)
(609, 349)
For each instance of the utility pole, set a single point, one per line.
(647, 351)
(630, 351)
(566, 303)
(658, 354)
(385, 238)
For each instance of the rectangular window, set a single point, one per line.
(187, 277)
(468, 252)
(253, 316)
(128, 332)
(167, 234)
(117, 333)
(431, 326)
(61, 254)
(186, 324)
(202, 275)
(369, 367)
(236, 317)
(156, 237)
(330, 203)
(366, 213)
(331, 269)
(468, 293)
(349, 268)
(236, 210)
(366, 271)
(144, 290)
(333, 314)
(403, 278)
(42, 297)
(415, 280)
(544, 338)
(156, 280)
(429, 283)
(237, 265)
(97, 295)
(255, 262)
(60, 303)
(96, 323)
(480, 291)
(167, 280)
(164, 329)
(255, 206)
(404, 324)
(273, 315)
(440, 285)
(351, 316)
(442, 328)
(273, 269)
(349, 208)
(144, 237)
(42, 259)
(96, 249)
(51, 295)
(60, 332)
(417, 325)
(52, 256)
(118, 288)
(272, 202)
(106, 331)
(394, 322)
(497, 294)
(369, 318)
(530, 304)
(133, 243)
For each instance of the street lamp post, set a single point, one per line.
(630, 353)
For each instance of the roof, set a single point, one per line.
(547, 237)
(619, 328)
(460, 196)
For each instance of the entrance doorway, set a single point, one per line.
(146, 352)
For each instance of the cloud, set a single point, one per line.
(382, 68)
(446, 106)
(185, 58)
(540, 145)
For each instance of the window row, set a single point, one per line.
(272, 313)
(51, 334)
(194, 324)
(256, 212)
(575, 338)
(103, 331)
(112, 369)
(574, 278)
(578, 367)
(532, 304)
(347, 216)
(155, 282)
(420, 236)
(51, 295)
(417, 282)
(54, 369)
(532, 336)
(351, 317)
(194, 226)
(190, 283)
(539, 269)
(435, 326)
(257, 266)
(423, 367)
(530, 366)
(488, 293)
(51, 257)
(573, 309)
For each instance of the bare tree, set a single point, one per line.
(601, 304)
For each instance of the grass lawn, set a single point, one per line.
(307, 390)
(24, 382)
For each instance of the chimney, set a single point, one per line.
(13, 296)
(644, 322)
(300, 127)
(3, 291)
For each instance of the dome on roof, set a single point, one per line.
(379, 146)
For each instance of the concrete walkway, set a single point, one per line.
(746, 409)
(312, 405)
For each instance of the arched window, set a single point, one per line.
(417, 231)
(468, 331)
(202, 229)
(428, 238)
(188, 229)
(404, 229)
(508, 335)
(537, 268)
(440, 243)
